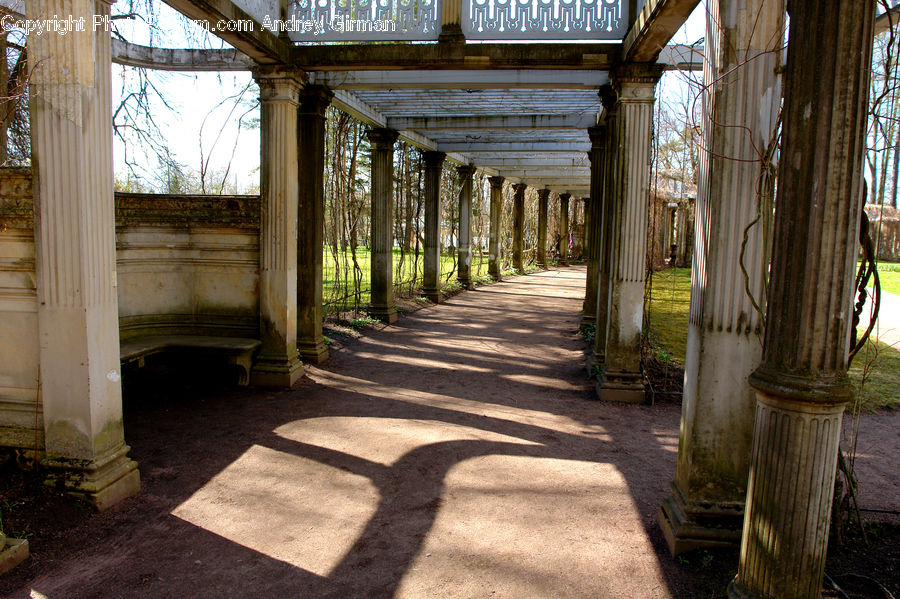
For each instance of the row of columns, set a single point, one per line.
(763, 396)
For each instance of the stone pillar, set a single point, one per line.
(623, 379)
(75, 246)
(593, 217)
(564, 228)
(278, 363)
(802, 385)
(725, 330)
(382, 268)
(608, 182)
(519, 226)
(434, 163)
(543, 201)
(494, 267)
(314, 100)
(464, 263)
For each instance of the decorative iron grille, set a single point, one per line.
(544, 19)
(363, 20)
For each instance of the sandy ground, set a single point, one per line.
(456, 454)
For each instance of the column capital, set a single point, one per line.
(466, 170)
(433, 159)
(564, 197)
(314, 100)
(597, 133)
(496, 182)
(279, 88)
(520, 188)
(382, 138)
(608, 96)
(543, 194)
(636, 82)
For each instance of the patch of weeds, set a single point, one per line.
(597, 372)
(362, 322)
(589, 331)
(326, 340)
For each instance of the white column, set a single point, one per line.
(724, 341)
(71, 127)
(278, 363)
(623, 379)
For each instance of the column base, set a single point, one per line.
(102, 482)
(587, 319)
(385, 315)
(466, 283)
(625, 387)
(562, 263)
(737, 591)
(433, 295)
(273, 372)
(312, 352)
(687, 527)
(12, 553)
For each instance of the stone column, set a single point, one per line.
(802, 385)
(519, 226)
(314, 100)
(494, 266)
(623, 379)
(724, 341)
(78, 320)
(609, 179)
(593, 217)
(382, 270)
(543, 201)
(564, 228)
(434, 163)
(278, 363)
(464, 263)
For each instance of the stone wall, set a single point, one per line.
(185, 264)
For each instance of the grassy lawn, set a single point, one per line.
(669, 309)
(889, 273)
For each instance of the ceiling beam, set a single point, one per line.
(546, 173)
(401, 57)
(525, 162)
(167, 59)
(654, 27)
(461, 79)
(531, 146)
(257, 42)
(532, 121)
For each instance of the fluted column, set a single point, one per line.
(564, 228)
(382, 269)
(494, 266)
(543, 201)
(78, 319)
(593, 212)
(278, 363)
(724, 341)
(623, 379)
(802, 385)
(464, 263)
(609, 180)
(434, 162)
(519, 226)
(314, 100)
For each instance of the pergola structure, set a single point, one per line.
(558, 96)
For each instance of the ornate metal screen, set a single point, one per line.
(363, 20)
(544, 19)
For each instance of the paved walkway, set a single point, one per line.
(457, 454)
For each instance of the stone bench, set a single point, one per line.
(237, 351)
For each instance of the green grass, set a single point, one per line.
(889, 274)
(669, 309)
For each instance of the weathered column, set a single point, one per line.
(464, 262)
(519, 226)
(278, 363)
(623, 379)
(543, 201)
(382, 253)
(494, 266)
(564, 228)
(593, 210)
(724, 341)
(434, 162)
(314, 100)
(609, 179)
(78, 320)
(802, 384)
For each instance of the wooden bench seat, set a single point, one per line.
(237, 351)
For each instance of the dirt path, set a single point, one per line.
(457, 454)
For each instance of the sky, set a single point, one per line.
(195, 96)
